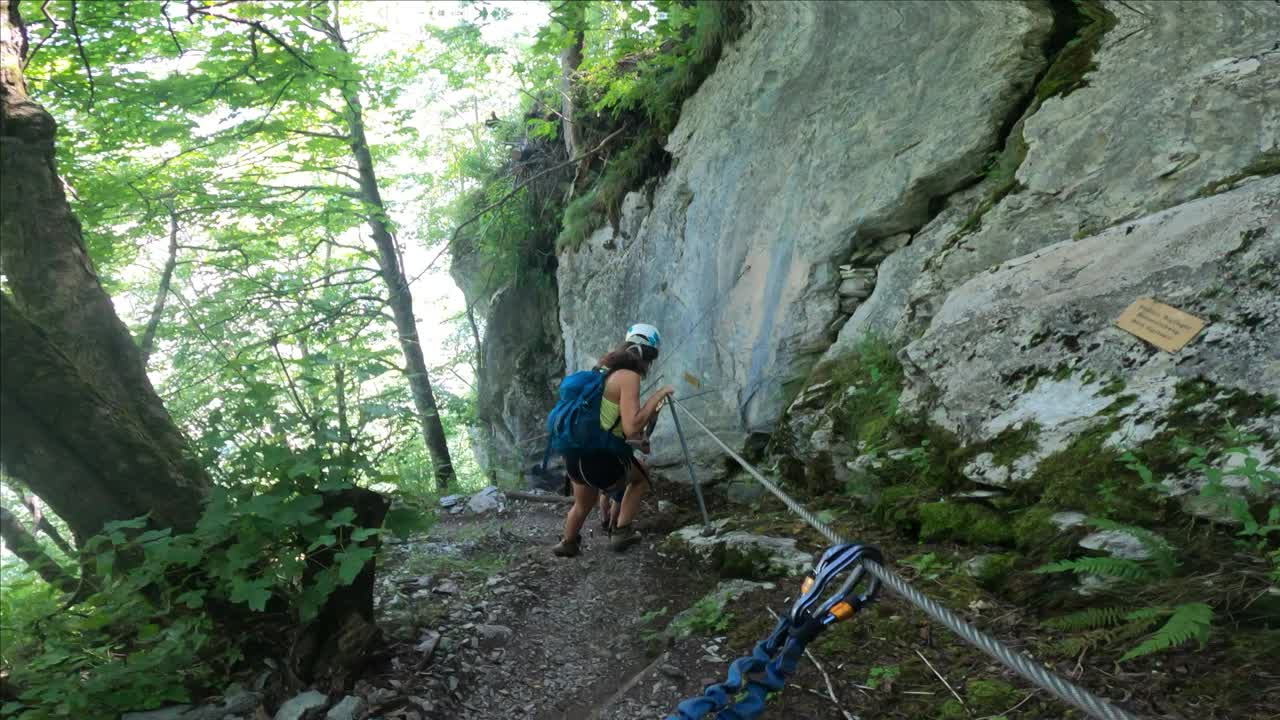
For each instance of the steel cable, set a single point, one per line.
(1020, 663)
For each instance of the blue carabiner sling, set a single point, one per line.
(751, 679)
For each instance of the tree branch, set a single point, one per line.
(53, 28)
(147, 343)
(83, 56)
(164, 10)
(25, 546)
(192, 8)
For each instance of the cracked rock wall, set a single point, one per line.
(827, 127)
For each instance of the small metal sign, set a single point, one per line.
(1168, 328)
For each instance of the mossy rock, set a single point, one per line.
(1089, 476)
(964, 522)
(991, 570)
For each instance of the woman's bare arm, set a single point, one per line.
(634, 415)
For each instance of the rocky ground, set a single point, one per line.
(482, 622)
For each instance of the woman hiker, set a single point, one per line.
(622, 413)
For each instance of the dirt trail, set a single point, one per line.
(583, 631)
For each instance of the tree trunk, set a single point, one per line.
(22, 544)
(331, 651)
(570, 59)
(82, 425)
(147, 344)
(398, 293)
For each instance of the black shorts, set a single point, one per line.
(603, 471)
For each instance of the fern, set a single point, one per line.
(1189, 621)
(1163, 553)
(1090, 619)
(1101, 566)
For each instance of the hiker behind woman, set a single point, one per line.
(623, 415)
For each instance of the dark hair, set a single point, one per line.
(630, 356)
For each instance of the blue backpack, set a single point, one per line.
(573, 425)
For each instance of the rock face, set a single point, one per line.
(1034, 341)
(1181, 98)
(823, 189)
(522, 364)
(786, 163)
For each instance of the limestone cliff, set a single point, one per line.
(855, 168)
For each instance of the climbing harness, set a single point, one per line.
(697, 487)
(774, 659)
(1019, 663)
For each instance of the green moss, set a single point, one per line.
(1119, 404)
(1080, 28)
(989, 697)
(581, 218)
(1232, 404)
(897, 505)
(1265, 165)
(1014, 443)
(995, 570)
(1088, 22)
(1033, 527)
(1062, 372)
(964, 522)
(1114, 386)
(1089, 476)
(748, 564)
(873, 378)
(952, 710)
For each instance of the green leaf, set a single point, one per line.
(105, 562)
(1191, 621)
(351, 562)
(254, 593)
(403, 522)
(343, 517)
(322, 541)
(192, 599)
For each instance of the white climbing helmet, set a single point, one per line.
(644, 334)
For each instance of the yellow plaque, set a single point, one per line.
(1168, 328)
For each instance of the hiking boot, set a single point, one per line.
(566, 548)
(623, 538)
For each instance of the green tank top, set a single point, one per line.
(609, 414)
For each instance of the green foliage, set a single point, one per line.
(707, 616)
(1100, 566)
(928, 565)
(1187, 622)
(882, 675)
(966, 522)
(987, 697)
(1088, 619)
(142, 636)
(1162, 561)
(1101, 627)
(868, 381)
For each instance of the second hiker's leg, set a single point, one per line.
(637, 488)
(584, 498)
